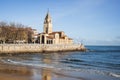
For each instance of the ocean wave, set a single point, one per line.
(114, 75)
(90, 50)
(74, 60)
(60, 67)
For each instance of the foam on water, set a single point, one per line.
(52, 66)
(100, 60)
(114, 75)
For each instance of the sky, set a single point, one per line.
(92, 22)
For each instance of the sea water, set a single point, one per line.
(98, 60)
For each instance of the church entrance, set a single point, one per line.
(43, 39)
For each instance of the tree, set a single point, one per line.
(9, 33)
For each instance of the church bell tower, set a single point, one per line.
(47, 24)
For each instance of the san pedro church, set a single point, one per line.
(48, 36)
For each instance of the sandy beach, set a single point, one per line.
(10, 72)
(59, 66)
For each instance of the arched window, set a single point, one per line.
(43, 38)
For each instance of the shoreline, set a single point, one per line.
(40, 48)
(50, 52)
(56, 66)
(23, 72)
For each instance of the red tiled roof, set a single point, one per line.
(59, 32)
(50, 37)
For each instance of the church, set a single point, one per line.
(48, 36)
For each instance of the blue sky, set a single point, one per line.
(94, 22)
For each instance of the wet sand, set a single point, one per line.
(13, 72)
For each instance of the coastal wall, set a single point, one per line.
(21, 48)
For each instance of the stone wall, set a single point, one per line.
(21, 48)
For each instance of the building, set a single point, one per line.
(50, 37)
(34, 35)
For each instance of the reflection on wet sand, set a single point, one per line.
(23, 72)
(46, 73)
(18, 72)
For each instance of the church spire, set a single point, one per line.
(48, 23)
(48, 17)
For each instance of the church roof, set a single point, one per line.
(50, 37)
(62, 37)
(48, 16)
(59, 32)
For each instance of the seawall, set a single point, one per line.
(26, 48)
